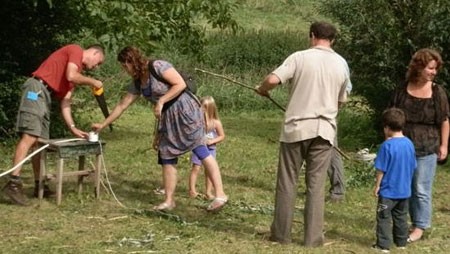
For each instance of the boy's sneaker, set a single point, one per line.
(378, 248)
(47, 192)
(14, 190)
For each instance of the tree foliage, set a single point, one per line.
(141, 23)
(380, 36)
(33, 29)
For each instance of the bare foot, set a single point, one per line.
(415, 235)
(164, 207)
(193, 194)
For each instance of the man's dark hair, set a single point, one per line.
(394, 119)
(322, 30)
(97, 47)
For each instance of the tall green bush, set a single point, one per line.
(379, 38)
(30, 31)
(248, 57)
(33, 29)
(252, 51)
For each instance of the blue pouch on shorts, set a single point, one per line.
(32, 96)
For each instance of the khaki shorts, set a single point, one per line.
(33, 117)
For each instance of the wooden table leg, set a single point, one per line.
(81, 160)
(59, 180)
(42, 165)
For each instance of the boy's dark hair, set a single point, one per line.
(322, 30)
(394, 119)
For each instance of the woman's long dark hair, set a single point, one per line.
(137, 60)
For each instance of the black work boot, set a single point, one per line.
(47, 192)
(14, 190)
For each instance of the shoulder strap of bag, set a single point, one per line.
(152, 70)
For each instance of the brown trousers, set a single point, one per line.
(316, 153)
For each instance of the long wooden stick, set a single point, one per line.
(241, 84)
(341, 152)
(270, 98)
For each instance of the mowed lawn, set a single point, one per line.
(248, 160)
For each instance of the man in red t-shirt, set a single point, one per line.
(55, 78)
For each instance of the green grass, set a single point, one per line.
(282, 15)
(248, 160)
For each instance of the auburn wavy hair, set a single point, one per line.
(137, 60)
(419, 62)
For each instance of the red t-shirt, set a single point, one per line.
(53, 69)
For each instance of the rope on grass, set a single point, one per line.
(107, 178)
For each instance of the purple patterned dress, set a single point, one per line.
(181, 126)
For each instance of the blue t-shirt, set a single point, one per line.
(397, 159)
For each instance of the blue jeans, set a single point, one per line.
(420, 203)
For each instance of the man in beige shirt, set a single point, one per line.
(319, 77)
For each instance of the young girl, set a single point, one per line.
(214, 135)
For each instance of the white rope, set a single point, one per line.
(37, 151)
(107, 178)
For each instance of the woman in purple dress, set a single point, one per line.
(181, 126)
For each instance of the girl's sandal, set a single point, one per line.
(163, 207)
(217, 204)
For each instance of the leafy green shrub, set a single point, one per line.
(147, 23)
(10, 97)
(355, 125)
(380, 36)
(36, 28)
(359, 174)
(33, 30)
(253, 51)
(246, 57)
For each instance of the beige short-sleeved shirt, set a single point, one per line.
(318, 80)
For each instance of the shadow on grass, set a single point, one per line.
(342, 224)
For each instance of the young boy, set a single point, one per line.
(395, 164)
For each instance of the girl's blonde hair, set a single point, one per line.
(210, 109)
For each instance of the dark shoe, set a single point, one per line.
(14, 191)
(47, 192)
(380, 249)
